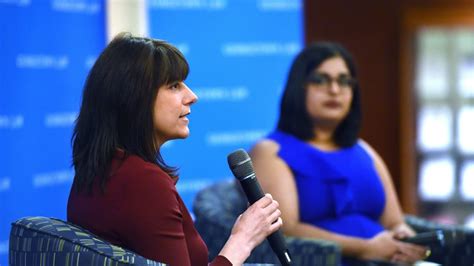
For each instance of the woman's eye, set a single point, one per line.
(345, 81)
(321, 80)
(174, 86)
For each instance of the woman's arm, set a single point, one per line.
(156, 221)
(392, 216)
(276, 178)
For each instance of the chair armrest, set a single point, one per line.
(304, 251)
(423, 225)
(458, 246)
(453, 234)
(314, 251)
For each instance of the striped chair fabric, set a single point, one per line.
(42, 241)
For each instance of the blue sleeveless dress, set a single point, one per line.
(339, 191)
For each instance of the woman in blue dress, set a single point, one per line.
(330, 184)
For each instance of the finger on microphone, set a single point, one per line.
(276, 225)
(274, 216)
(264, 202)
(272, 207)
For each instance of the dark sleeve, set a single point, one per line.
(153, 219)
(220, 261)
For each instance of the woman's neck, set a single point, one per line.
(324, 138)
(158, 142)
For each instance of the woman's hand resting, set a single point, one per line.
(407, 253)
(386, 246)
(382, 246)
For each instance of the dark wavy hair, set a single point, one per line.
(294, 118)
(117, 106)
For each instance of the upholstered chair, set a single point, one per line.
(41, 241)
(217, 207)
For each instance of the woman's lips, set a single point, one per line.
(332, 104)
(185, 117)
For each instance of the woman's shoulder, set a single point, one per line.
(364, 145)
(282, 145)
(275, 140)
(265, 147)
(371, 152)
(138, 172)
(282, 137)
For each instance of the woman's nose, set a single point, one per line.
(190, 96)
(334, 87)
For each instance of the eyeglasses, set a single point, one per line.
(324, 80)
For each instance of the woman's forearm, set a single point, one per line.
(236, 250)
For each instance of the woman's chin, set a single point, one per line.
(184, 134)
(330, 120)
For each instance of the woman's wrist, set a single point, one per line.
(236, 250)
(403, 230)
(361, 248)
(365, 249)
(352, 246)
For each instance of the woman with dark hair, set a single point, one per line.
(330, 184)
(135, 100)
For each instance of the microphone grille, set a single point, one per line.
(240, 163)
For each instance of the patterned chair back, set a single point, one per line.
(36, 241)
(217, 207)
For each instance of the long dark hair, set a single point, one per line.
(294, 117)
(117, 106)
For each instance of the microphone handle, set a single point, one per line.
(252, 189)
(254, 192)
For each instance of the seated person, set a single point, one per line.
(135, 100)
(330, 184)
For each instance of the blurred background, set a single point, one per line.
(416, 68)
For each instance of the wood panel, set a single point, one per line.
(379, 34)
(414, 18)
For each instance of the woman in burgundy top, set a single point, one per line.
(135, 100)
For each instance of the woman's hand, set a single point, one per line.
(260, 220)
(381, 246)
(407, 253)
(385, 246)
(402, 231)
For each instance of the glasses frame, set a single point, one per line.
(325, 80)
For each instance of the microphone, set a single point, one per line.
(241, 166)
(427, 238)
